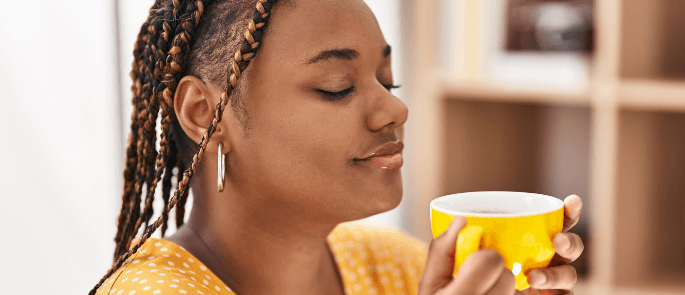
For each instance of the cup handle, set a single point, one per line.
(468, 242)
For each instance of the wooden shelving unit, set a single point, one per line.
(618, 141)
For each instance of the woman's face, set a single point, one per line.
(312, 113)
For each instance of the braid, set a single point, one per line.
(171, 163)
(147, 112)
(132, 151)
(158, 72)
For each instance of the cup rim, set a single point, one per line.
(558, 204)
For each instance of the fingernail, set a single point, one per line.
(537, 278)
(561, 243)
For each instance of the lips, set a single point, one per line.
(388, 148)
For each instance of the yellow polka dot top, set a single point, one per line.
(370, 261)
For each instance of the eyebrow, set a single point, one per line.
(342, 54)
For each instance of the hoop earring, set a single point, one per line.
(222, 168)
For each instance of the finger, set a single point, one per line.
(440, 261)
(505, 285)
(568, 247)
(573, 205)
(478, 274)
(562, 277)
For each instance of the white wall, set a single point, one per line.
(60, 145)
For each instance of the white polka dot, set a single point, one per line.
(198, 291)
(173, 286)
(143, 281)
(156, 291)
(112, 291)
(151, 257)
(182, 271)
(171, 263)
(357, 287)
(146, 288)
(132, 292)
(136, 261)
(192, 272)
(182, 291)
(120, 291)
(385, 280)
(186, 265)
(153, 270)
(128, 271)
(227, 288)
(167, 268)
(142, 251)
(367, 281)
(152, 264)
(160, 281)
(163, 249)
(208, 277)
(165, 255)
(193, 278)
(139, 272)
(158, 244)
(178, 255)
(217, 288)
(162, 274)
(203, 268)
(189, 284)
(125, 279)
(205, 281)
(399, 284)
(191, 260)
(135, 279)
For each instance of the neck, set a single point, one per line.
(257, 250)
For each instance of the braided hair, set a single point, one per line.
(164, 52)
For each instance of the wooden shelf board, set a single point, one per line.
(652, 95)
(468, 90)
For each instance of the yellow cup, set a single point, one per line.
(519, 226)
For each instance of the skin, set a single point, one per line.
(291, 175)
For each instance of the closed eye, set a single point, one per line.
(392, 86)
(336, 95)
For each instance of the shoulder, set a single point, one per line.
(162, 267)
(389, 259)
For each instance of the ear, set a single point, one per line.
(195, 105)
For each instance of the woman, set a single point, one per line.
(312, 138)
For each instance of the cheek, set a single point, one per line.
(304, 153)
(306, 158)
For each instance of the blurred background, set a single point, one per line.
(556, 97)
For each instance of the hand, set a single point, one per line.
(482, 273)
(559, 277)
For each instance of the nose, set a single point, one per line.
(387, 112)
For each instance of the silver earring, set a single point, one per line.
(222, 168)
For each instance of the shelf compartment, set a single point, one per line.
(652, 40)
(650, 213)
(538, 148)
